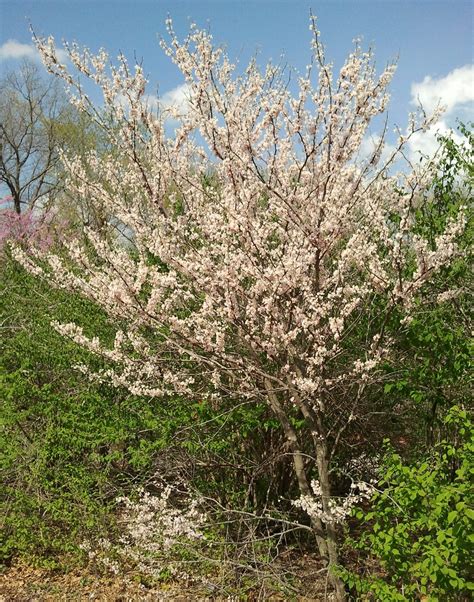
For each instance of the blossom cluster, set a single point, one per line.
(152, 521)
(151, 526)
(335, 511)
(364, 466)
(274, 236)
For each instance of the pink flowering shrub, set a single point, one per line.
(29, 228)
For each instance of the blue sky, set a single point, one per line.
(432, 39)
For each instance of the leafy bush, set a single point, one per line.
(420, 522)
(432, 366)
(70, 447)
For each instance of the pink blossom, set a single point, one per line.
(28, 228)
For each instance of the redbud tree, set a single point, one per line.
(255, 238)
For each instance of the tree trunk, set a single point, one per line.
(16, 203)
(326, 536)
(331, 534)
(298, 464)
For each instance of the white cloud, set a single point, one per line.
(12, 49)
(455, 92)
(171, 105)
(62, 55)
(426, 143)
(176, 99)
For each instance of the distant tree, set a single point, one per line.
(31, 107)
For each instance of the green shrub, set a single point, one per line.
(430, 370)
(70, 447)
(420, 523)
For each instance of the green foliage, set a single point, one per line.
(431, 367)
(454, 184)
(419, 527)
(69, 446)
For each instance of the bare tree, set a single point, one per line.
(31, 107)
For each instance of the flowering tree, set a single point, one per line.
(260, 240)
